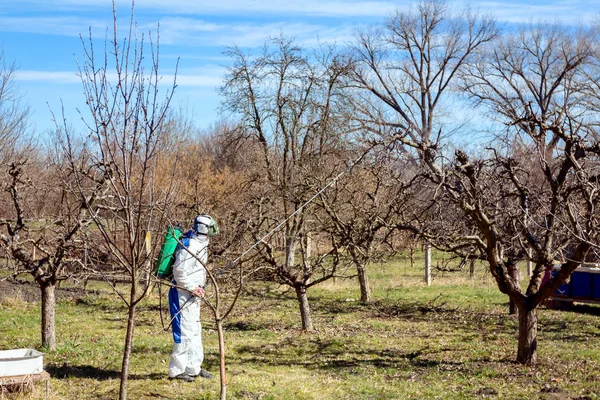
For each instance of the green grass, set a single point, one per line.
(452, 340)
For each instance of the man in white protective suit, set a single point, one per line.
(189, 278)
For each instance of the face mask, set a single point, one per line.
(206, 225)
(213, 229)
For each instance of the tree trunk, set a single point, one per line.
(513, 270)
(304, 308)
(222, 359)
(472, 268)
(427, 264)
(363, 280)
(290, 252)
(127, 351)
(512, 308)
(308, 245)
(527, 350)
(48, 316)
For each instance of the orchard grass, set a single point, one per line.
(452, 340)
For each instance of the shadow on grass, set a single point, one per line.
(81, 371)
(99, 374)
(585, 309)
(267, 293)
(331, 355)
(101, 304)
(151, 349)
(164, 308)
(459, 319)
(244, 326)
(573, 331)
(336, 306)
(440, 307)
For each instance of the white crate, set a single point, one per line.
(21, 362)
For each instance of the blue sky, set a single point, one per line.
(42, 37)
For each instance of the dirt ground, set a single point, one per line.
(29, 292)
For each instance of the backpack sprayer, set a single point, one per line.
(166, 256)
(203, 224)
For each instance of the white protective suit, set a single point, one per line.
(188, 273)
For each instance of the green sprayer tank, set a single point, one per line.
(166, 257)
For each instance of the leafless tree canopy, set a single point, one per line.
(116, 163)
(288, 100)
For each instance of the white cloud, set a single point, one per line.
(180, 30)
(62, 26)
(57, 77)
(199, 56)
(358, 8)
(568, 12)
(197, 81)
(210, 78)
(188, 24)
(253, 35)
(188, 31)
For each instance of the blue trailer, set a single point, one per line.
(583, 287)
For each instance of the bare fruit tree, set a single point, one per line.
(536, 83)
(14, 116)
(42, 217)
(128, 108)
(405, 73)
(534, 190)
(361, 210)
(286, 99)
(44, 233)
